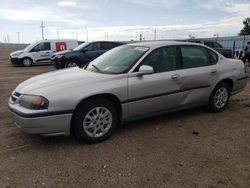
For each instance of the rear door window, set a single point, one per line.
(194, 56)
(108, 45)
(94, 47)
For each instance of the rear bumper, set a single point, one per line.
(239, 85)
(44, 125)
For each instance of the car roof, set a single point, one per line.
(158, 44)
(117, 42)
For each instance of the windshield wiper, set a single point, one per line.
(98, 70)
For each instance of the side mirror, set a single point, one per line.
(145, 69)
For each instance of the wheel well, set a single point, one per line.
(27, 58)
(109, 97)
(229, 82)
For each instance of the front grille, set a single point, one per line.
(15, 96)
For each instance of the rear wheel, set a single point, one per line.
(219, 98)
(27, 62)
(71, 63)
(95, 120)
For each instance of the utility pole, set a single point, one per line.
(155, 34)
(57, 34)
(18, 37)
(76, 34)
(8, 38)
(42, 26)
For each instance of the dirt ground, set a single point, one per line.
(191, 148)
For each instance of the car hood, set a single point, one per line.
(60, 80)
(16, 52)
(62, 52)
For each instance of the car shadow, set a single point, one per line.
(164, 120)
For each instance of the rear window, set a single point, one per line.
(213, 56)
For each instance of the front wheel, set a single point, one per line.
(71, 63)
(95, 120)
(27, 62)
(219, 98)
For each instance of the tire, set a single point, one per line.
(27, 62)
(71, 63)
(219, 98)
(91, 126)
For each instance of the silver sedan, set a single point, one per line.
(129, 82)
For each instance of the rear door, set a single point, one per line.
(197, 74)
(160, 90)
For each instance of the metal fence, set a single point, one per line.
(236, 43)
(12, 46)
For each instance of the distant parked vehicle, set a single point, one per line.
(126, 83)
(82, 54)
(41, 51)
(228, 53)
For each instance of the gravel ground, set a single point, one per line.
(191, 148)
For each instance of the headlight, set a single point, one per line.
(33, 102)
(59, 56)
(17, 54)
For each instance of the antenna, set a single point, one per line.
(42, 26)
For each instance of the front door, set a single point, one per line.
(158, 91)
(41, 52)
(93, 51)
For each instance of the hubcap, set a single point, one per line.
(97, 122)
(221, 97)
(71, 64)
(27, 62)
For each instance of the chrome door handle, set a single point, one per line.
(214, 71)
(175, 77)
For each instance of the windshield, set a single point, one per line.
(80, 47)
(30, 46)
(118, 60)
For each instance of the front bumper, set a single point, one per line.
(15, 60)
(58, 63)
(43, 125)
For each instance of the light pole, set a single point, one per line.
(87, 33)
(18, 37)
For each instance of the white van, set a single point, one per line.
(41, 51)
